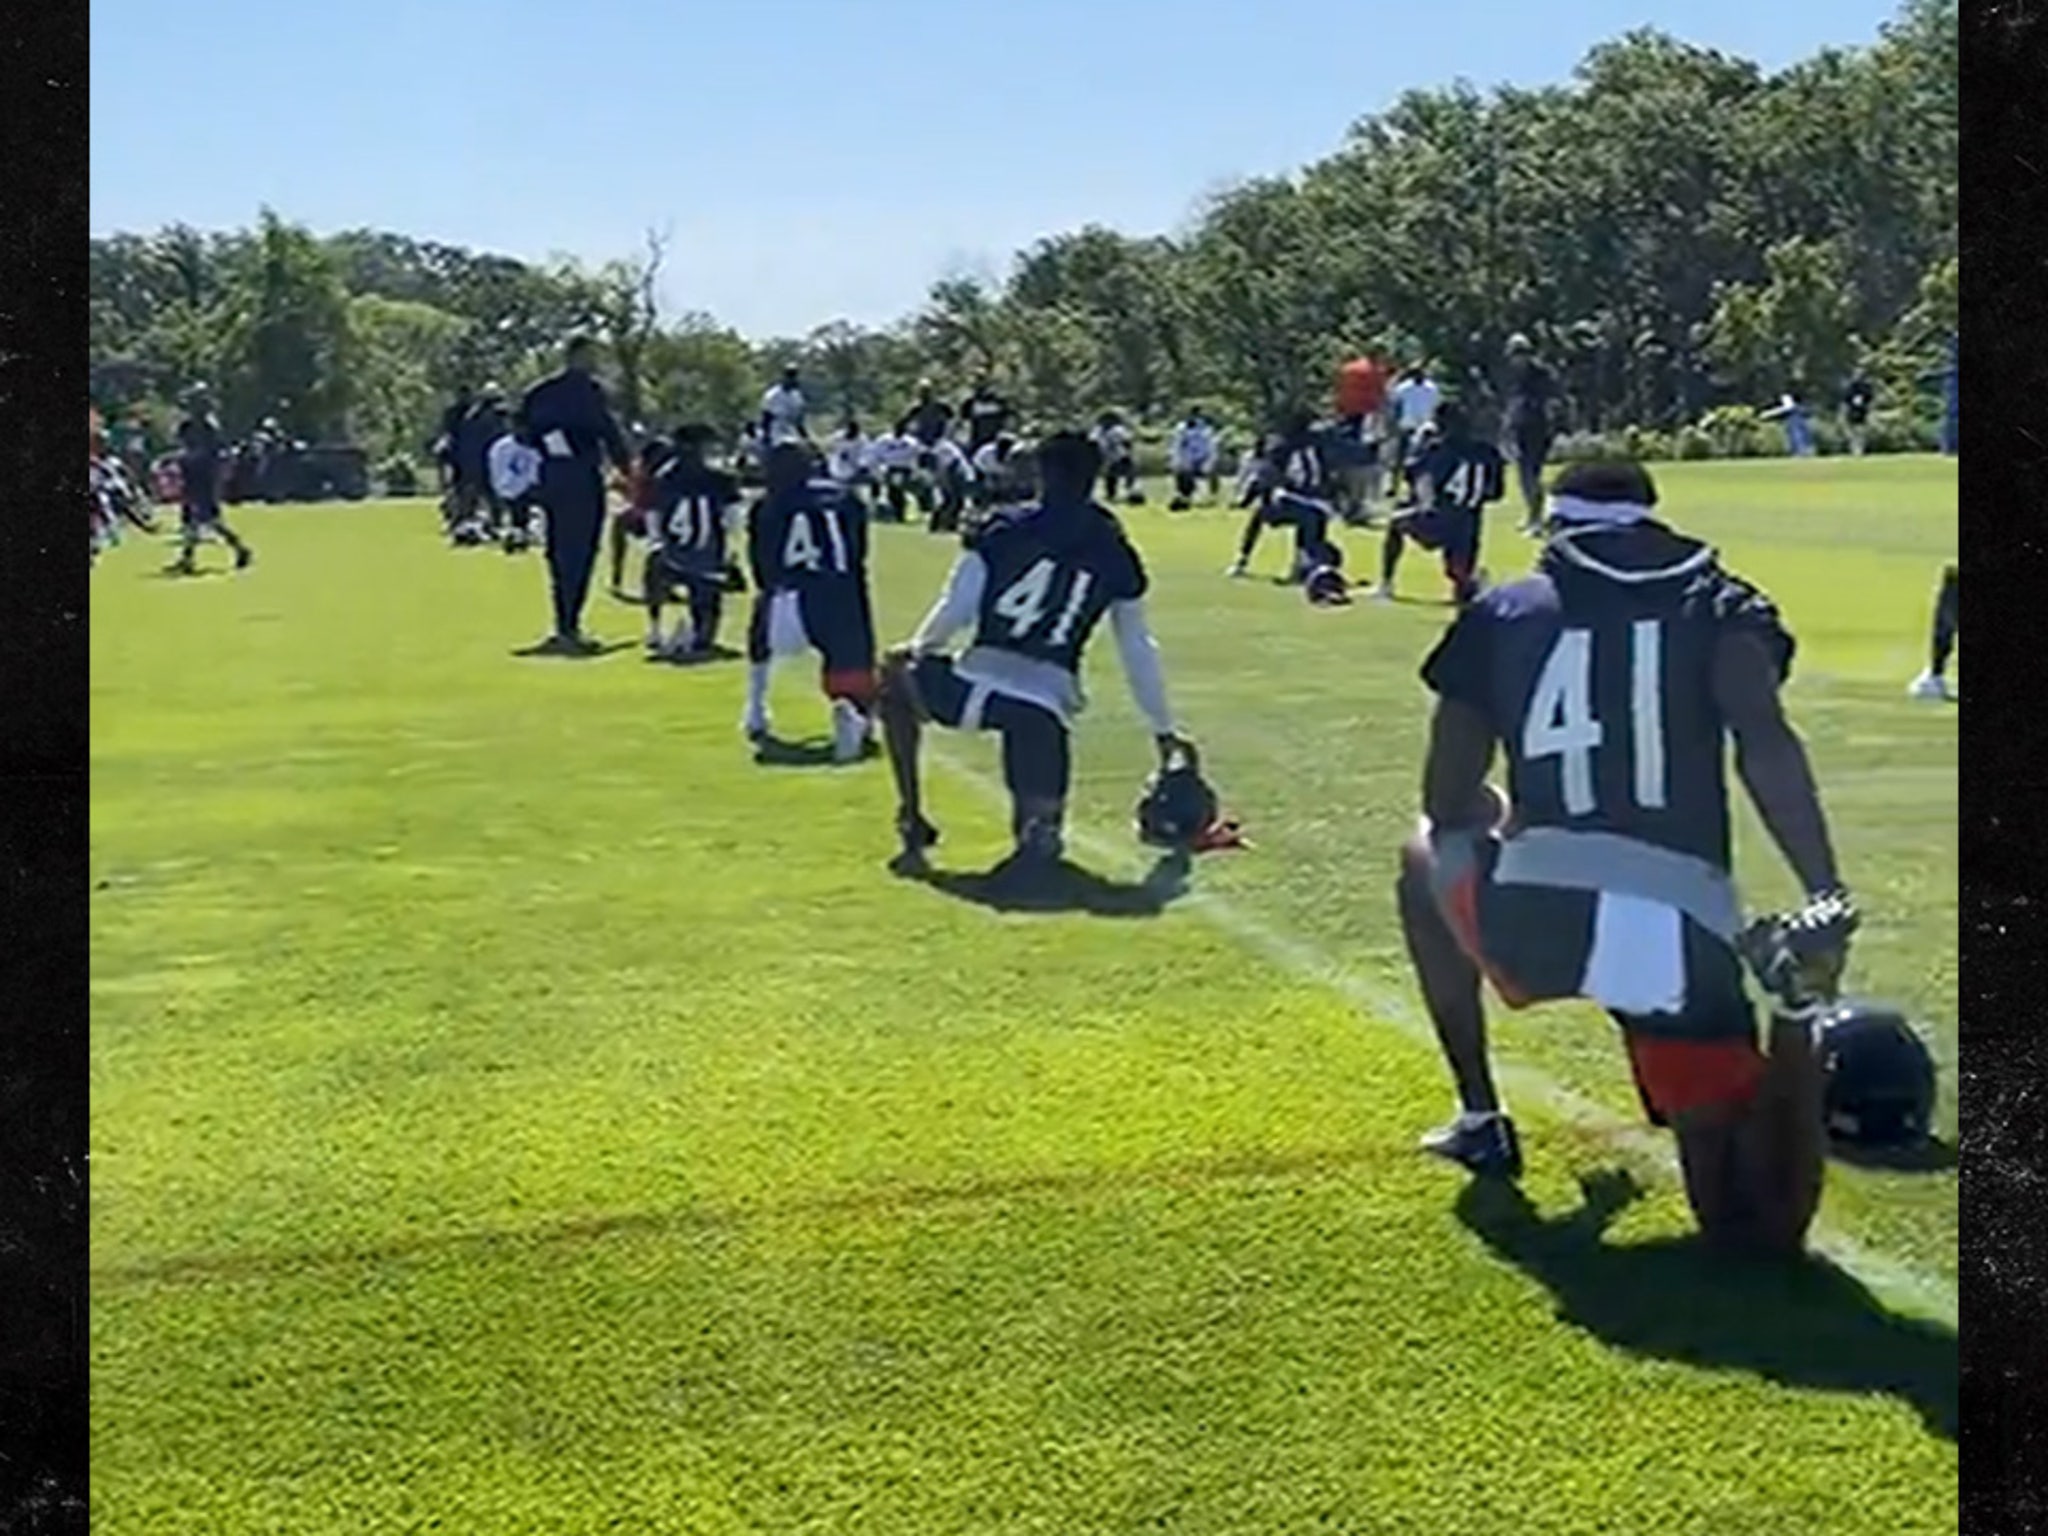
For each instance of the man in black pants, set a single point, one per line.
(567, 418)
(1933, 683)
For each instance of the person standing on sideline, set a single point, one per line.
(201, 451)
(1857, 399)
(1415, 401)
(783, 407)
(567, 417)
(1531, 425)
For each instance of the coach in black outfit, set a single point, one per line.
(567, 418)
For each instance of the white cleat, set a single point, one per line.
(1235, 568)
(1928, 686)
(1381, 593)
(849, 734)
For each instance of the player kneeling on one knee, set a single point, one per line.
(808, 545)
(1033, 583)
(692, 510)
(1608, 678)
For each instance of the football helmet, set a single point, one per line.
(1326, 587)
(1177, 807)
(1878, 1076)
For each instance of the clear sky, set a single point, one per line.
(813, 159)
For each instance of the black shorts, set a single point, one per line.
(834, 618)
(1539, 944)
(1037, 756)
(661, 580)
(1453, 532)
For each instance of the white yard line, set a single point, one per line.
(1929, 1294)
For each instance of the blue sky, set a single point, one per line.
(812, 159)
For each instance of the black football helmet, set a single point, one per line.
(1878, 1076)
(1325, 587)
(1177, 806)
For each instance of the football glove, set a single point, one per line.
(1798, 957)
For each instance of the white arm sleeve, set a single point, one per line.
(1141, 663)
(957, 606)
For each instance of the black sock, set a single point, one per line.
(1254, 526)
(1944, 646)
(1390, 554)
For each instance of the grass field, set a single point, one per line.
(515, 1110)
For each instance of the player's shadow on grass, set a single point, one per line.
(1931, 1156)
(1806, 1325)
(544, 651)
(1066, 887)
(773, 751)
(693, 658)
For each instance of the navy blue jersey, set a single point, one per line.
(199, 443)
(1465, 475)
(810, 537)
(689, 505)
(1532, 403)
(1596, 676)
(567, 417)
(986, 416)
(1053, 571)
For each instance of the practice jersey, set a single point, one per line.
(1114, 441)
(1194, 446)
(199, 443)
(985, 417)
(692, 510)
(1052, 572)
(846, 458)
(1463, 476)
(1596, 676)
(893, 453)
(950, 462)
(1415, 403)
(811, 537)
(514, 467)
(782, 413)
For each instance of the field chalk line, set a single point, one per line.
(1929, 1294)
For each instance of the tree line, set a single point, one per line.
(1679, 231)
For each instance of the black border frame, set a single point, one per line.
(43, 702)
(43, 1052)
(2003, 1040)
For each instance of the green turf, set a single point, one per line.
(514, 1110)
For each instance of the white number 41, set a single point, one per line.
(1561, 724)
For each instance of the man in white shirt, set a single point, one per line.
(953, 474)
(846, 456)
(782, 410)
(514, 468)
(1119, 459)
(1193, 457)
(1415, 400)
(892, 465)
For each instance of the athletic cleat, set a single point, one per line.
(849, 734)
(755, 728)
(1928, 686)
(1483, 1145)
(1235, 568)
(915, 834)
(243, 558)
(1381, 593)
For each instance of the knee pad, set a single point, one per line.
(854, 685)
